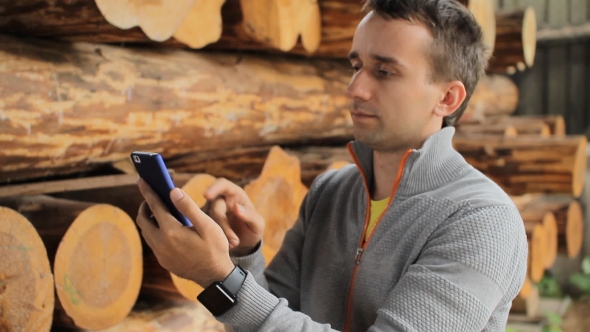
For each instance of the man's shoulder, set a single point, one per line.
(336, 178)
(475, 190)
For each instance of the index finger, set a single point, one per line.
(231, 191)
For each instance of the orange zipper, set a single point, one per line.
(362, 243)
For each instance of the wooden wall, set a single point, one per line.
(559, 82)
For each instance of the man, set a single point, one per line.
(409, 238)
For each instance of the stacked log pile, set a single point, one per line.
(83, 83)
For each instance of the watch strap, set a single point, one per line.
(233, 283)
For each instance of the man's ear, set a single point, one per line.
(453, 97)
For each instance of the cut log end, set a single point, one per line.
(574, 232)
(98, 267)
(277, 195)
(158, 19)
(203, 24)
(197, 186)
(551, 233)
(26, 283)
(483, 12)
(537, 244)
(579, 172)
(529, 35)
(529, 305)
(188, 289)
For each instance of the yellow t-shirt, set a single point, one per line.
(377, 207)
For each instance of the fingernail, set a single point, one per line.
(241, 209)
(233, 242)
(139, 182)
(176, 194)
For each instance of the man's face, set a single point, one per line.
(392, 98)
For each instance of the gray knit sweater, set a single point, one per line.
(449, 254)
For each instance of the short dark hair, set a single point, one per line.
(457, 51)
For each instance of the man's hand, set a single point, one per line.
(199, 253)
(233, 210)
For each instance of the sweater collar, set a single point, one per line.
(432, 166)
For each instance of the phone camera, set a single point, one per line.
(136, 159)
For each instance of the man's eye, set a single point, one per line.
(383, 73)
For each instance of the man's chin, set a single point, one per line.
(365, 140)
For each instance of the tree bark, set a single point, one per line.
(69, 108)
(533, 124)
(26, 282)
(84, 239)
(470, 129)
(523, 165)
(516, 41)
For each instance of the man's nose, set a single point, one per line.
(359, 86)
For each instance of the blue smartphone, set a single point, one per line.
(150, 167)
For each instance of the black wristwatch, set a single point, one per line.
(221, 296)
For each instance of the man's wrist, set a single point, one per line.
(221, 296)
(247, 251)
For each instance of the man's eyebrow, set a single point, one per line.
(386, 59)
(353, 55)
(379, 58)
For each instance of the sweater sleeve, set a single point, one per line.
(471, 265)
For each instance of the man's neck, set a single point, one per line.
(385, 170)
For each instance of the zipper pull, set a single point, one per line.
(359, 254)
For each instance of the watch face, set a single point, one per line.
(216, 300)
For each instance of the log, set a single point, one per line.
(156, 282)
(277, 195)
(177, 24)
(528, 305)
(125, 194)
(484, 13)
(494, 95)
(516, 40)
(82, 21)
(533, 124)
(96, 255)
(529, 164)
(26, 282)
(235, 164)
(537, 248)
(73, 108)
(547, 220)
(568, 216)
(471, 129)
